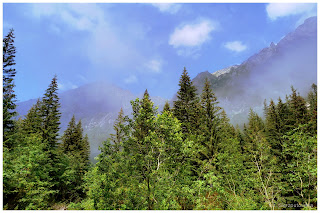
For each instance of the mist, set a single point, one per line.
(270, 74)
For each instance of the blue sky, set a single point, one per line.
(138, 46)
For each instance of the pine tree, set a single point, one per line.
(166, 107)
(68, 138)
(186, 107)
(297, 109)
(273, 129)
(9, 98)
(76, 147)
(283, 113)
(210, 122)
(144, 118)
(139, 146)
(33, 121)
(120, 131)
(51, 115)
(86, 152)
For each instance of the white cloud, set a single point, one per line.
(191, 35)
(277, 10)
(104, 44)
(154, 66)
(76, 16)
(167, 7)
(236, 46)
(131, 79)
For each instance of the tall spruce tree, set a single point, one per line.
(76, 147)
(9, 98)
(210, 121)
(186, 107)
(139, 145)
(51, 115)
(68, 138)
(273, 129)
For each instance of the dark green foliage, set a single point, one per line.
(186, 107)
(297, 109)
(50, 115)
(77, 151)
(33, 121)
(211, 127)
(9, 98)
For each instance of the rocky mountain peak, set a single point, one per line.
(224, 71)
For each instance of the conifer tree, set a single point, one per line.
(210, 122)
(120, 131)
(297, 108)
(166, 107)
(186, 107)
(76, 147)
(9, 98)
(140, 146)
(33, 121)
(68, 138)
(273, 129)
(51, 115)
(283, 113)
(86, 152)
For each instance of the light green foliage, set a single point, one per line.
(26, 175)
(300, 149)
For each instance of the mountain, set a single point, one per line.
(268, 74)
(97, 105)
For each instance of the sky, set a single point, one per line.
(139, 46)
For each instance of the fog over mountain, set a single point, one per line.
(97, 105)
(267, 74)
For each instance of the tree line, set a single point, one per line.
(187, 156)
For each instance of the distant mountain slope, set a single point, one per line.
(97, 105)
(267, 74)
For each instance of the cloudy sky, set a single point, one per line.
(139, 46)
